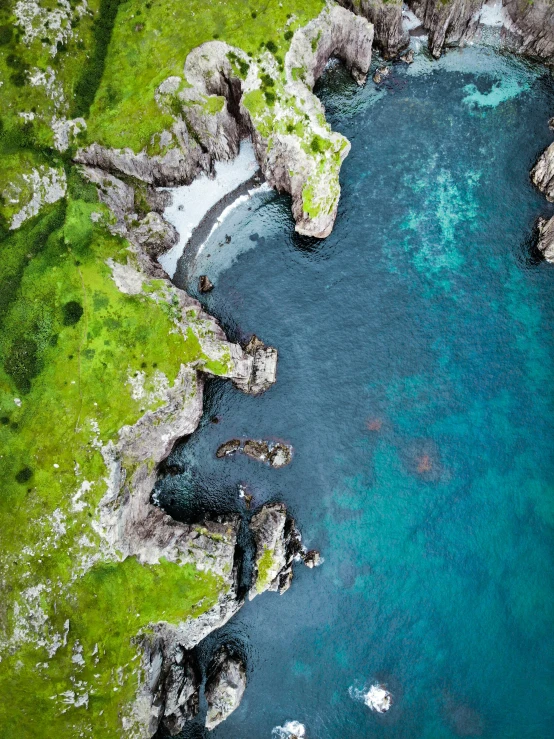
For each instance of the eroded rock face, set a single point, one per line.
(224, 688)
(546, 239)
(386, 17)
(277, 544)
(264, 369)
(451, 22)
(155, 235)
(534, 24)
(173, 676)
(542, 173)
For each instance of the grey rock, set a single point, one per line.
(551, 124)
(546, 238)
(205, 285)
(224, 688)
(533, 23)
(312, 558)
(542, 173)
(280, 455)
(258, 450)
(386, 17)
(155, 235)
(264, 367)
(229, 447)
(408, 57)
(113, 192)
(277, 544)
(381, 75)
(453, 22)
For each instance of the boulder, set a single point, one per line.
(256, 450)
(229, 447)
(204, 284)
(280, 455)
(408, 57)
(312, 558)
(381, 74)
(155, 235)
(224, 688)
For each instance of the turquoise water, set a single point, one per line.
(414, 382)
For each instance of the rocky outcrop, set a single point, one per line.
(155, 235)
(225, 95)
(533, 23)
(205, 285)
(225, 687)
(264, 367)
(276, 454)
(542, 173)
(173, 677)
(451, 22)
(386, 16)
(277, 544)
(545, 243)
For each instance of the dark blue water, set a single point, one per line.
(414, 382)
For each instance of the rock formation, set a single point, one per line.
(386, 16)
(205, 285)
(276, 454)
(224, 687)
(264, 369)
(529, 27)
(277, 544)
(227, 95)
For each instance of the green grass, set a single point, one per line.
(265, 565)
(70, 341)
(124, 112)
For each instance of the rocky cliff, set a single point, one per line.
(528, 26)
(386, 17)
(225, 94)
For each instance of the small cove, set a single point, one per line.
(414, 373)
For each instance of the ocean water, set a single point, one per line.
(416, 358)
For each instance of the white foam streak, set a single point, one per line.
(289, 730)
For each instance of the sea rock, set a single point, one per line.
(386, 16)
(546, 238)
(204, 284)
(542, 173)
(277, 544)
(155, 235)
(264, 367)
(258, 450)
(381, 74)
(229, 447)
(408, 57)
(280, 455)
(312, 558)
(224, 688)
(551, 124)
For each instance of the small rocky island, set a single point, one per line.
(104, 360)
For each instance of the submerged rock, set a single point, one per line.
(224, 688)
(229, 447)
(546, 238)
(204, 284)
(381, 74)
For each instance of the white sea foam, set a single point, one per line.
(192, 202)
(377, 697)
(290, 729)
